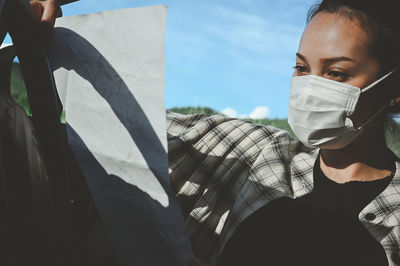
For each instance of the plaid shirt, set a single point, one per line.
(224, 169)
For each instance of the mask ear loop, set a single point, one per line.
(378, 81)
(391, 103)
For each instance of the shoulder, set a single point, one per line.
(193, 127)
(221, 137)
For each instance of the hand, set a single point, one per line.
(46, 12)
(193, 261)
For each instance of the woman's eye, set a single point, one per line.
(300, 69)
(337, 75)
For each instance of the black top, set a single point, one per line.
(320, 228)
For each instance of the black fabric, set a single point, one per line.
(320, 228)
(25, 194)
(23, 179)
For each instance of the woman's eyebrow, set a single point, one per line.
(299, 55)
(336, 59)
(329, 60)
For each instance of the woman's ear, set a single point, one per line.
(396, 101)
(395, 89)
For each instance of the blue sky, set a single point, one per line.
(234, 56)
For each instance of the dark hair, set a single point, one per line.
(380, 19)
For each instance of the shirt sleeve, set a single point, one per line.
(186, 136)
(209, 162)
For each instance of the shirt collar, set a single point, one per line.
(386, 202)
(302, 169)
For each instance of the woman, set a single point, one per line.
(254, 196)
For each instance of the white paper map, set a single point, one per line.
(109, 72)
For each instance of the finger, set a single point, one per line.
(37, 9)
(50, 9)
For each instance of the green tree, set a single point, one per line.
(18, 89)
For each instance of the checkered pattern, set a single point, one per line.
(223, 169)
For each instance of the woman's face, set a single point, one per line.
(335, 47)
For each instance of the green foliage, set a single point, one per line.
(194, 110)
(392, 135)
(18, 89)
(279, 123)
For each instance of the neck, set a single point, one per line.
(367, 159)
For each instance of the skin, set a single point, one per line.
(46, 12)
(336, 47)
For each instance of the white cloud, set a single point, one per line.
(260, 112)
(229, 112)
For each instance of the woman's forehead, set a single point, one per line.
(335, 35)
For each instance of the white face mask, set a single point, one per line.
(319, 110)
